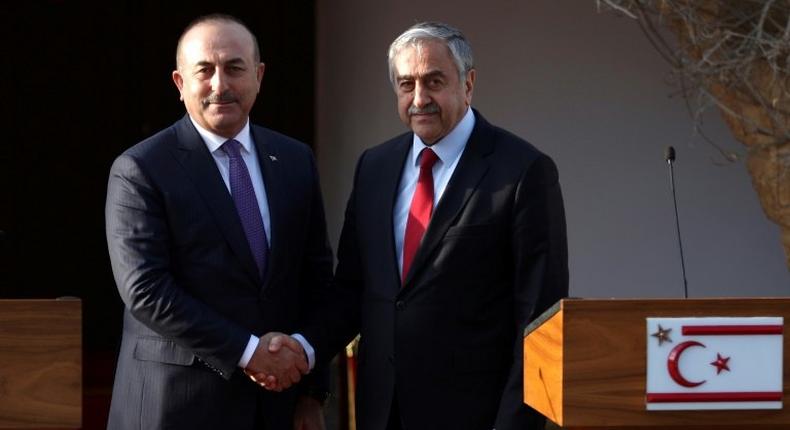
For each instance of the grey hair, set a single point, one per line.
(452, 38)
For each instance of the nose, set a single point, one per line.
(218, 81)
(422, 95)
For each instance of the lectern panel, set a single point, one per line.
(602, 364)
(40, 364)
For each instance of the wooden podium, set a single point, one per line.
(40, 364)
(585, 361)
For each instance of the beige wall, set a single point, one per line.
(590, 91)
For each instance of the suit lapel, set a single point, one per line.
(467, 175)
(386, 196)
(199, 165)
(273, 179)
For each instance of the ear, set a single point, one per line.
(469, 85)
(259, 74)
(179, 81)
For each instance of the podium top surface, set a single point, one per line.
(668, 306)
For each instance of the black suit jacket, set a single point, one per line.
(191, 290)
(448, 343)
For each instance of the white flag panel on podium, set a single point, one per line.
(714, 363)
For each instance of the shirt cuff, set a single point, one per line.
(248, 351)
(308, 349)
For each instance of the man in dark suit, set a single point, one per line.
(216, 234)
(453, 241)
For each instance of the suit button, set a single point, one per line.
(400, 305)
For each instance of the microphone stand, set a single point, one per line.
(670, 157)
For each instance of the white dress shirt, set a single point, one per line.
(449, 150)
(250, 156)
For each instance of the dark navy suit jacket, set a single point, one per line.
(448, 343)
(190, 287)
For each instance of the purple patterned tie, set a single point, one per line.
(246, 204)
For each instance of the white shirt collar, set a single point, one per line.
(214, 141)
(449, 147)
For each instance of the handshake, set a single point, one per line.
(278, 362)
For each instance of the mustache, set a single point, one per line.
(226, 97)
(427, 109)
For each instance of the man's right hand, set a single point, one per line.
(277, 366)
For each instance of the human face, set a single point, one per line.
(218, 77)
(431, 97)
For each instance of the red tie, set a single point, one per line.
(420, 210)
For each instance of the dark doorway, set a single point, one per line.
(87, 80)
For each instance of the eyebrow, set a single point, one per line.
(232, 61)
(431, 74)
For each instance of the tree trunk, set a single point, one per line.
(757, 110)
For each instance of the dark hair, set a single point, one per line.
(219, 17)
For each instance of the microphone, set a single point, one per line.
(669, 156)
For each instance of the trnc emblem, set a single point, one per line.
(714, 363)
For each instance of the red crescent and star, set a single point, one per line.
(673, 360)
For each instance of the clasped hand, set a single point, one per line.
(278, 362)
